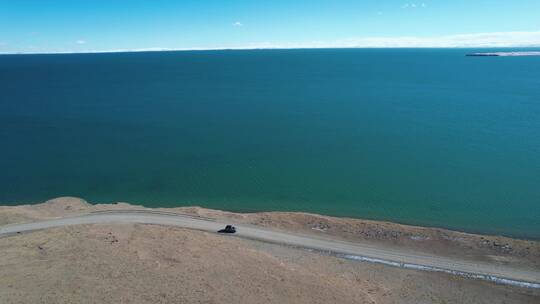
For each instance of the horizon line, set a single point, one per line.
(147, 50)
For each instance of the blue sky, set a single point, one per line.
(101, 25)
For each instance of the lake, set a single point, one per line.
(419, 136)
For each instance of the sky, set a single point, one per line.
(34, 26)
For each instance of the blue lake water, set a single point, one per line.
(419, 136)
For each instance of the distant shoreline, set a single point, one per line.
(504, 54)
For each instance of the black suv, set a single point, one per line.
(228, 229)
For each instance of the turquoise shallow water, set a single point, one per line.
(425, 137)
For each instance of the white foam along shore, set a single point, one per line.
(506, 54)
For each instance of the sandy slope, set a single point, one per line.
(380, 252)
(135, 263)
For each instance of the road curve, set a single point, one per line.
(357, 251)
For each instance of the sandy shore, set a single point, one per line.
(193, 266)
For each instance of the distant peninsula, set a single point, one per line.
(505, 54)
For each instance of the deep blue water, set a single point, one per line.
(419, 136)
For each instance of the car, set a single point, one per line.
(228, 229)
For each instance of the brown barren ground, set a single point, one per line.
(134, 263)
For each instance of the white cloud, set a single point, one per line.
(238, 24)
(80, 41)
(414, 5)
(495, 39)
